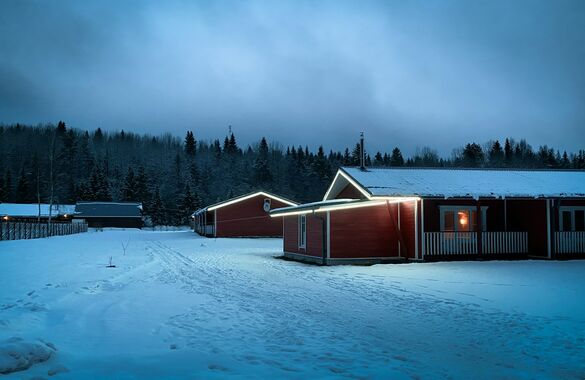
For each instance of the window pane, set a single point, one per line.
(579, 220)
(463, 221)
(449, 221)
(566, 215)
(473, 226)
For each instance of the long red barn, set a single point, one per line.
(243, 216)
(398, 214)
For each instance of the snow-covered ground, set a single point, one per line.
(181, 306)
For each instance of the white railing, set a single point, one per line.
(450, 243)
(465, 243)
(504, 242)
(570, 242)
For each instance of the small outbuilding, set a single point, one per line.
(33, 212)
(398, 214)
(110, 214)
(244, 216)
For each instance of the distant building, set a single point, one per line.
(397, 214)
(243, 216)
(110, 214)
(24, 212)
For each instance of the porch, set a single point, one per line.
(474, 243)
(570, 242)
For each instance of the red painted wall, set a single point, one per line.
(356, 233)
(530, 216)
(363, 232)
(314, 245)
(248, 218)
(407, 225)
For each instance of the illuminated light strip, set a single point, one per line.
(396, 199)
(248, 197)
(346, 207)
(350, 180)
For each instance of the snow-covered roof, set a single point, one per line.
(108, 209)
(32, 210)
(475, 183)
(312, 206)
(243, 198)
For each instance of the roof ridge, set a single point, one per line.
(460, 168)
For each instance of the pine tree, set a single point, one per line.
(129, 188)
(157, 210)
(3, 190)
(262, 173)
(472, 155)
(396, 158)
(496, 155)
(141, 192)
(378, 159)
(24, 193)
(565, 162)
(356, 155)
(61, 128)
(190, 144)
(508, 153)
(98, 186)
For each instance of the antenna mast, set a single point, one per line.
(362, 152)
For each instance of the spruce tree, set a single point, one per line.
(508, 153)
(190, 144)
(3, 190)
(262, 173)
(396, 158)
(472, 155)
(496, 155)
(24, 193)
(129, 187)
(157, 210)
(141, 192)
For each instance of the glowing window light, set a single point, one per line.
(463, 220)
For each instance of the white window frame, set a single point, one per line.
(455, 209)
(302, 223)
(572, 210)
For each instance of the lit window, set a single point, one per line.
(462, 218)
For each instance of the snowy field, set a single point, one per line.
(180, 306)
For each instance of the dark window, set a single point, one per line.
(449, 221)
(579, 220)
(567, 225)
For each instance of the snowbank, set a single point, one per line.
(18, 355)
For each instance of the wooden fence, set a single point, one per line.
(23, 230)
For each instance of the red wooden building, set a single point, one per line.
(397, 214)
(244, 216)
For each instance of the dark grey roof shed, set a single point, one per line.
(108, 210)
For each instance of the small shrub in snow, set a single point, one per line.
(18, 355)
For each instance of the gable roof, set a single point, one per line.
(108, 209)
(241, 198)
(459, 183)
(32, 210)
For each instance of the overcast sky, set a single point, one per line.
(409, 73)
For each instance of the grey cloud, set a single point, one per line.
(409, 73)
